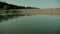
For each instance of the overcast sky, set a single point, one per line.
(35, 3)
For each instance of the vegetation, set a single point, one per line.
(6, 6)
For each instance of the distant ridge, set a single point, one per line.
(6, 6)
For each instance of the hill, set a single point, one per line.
(6, 6)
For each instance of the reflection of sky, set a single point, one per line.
(36, 3)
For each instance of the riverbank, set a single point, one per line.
(23, 12)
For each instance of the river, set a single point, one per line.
(38, 24)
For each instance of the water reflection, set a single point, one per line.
(39, 24)
(6, 17)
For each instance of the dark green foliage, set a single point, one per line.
(4, 5)
(6, 12)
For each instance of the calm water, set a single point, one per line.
(40, 24)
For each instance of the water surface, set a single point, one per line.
(38, 24)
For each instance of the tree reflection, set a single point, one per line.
(6, 18)
(3, 18)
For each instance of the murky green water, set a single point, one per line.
(40, 24)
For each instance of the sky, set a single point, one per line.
(35, 3)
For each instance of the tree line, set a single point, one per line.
(6, 6)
